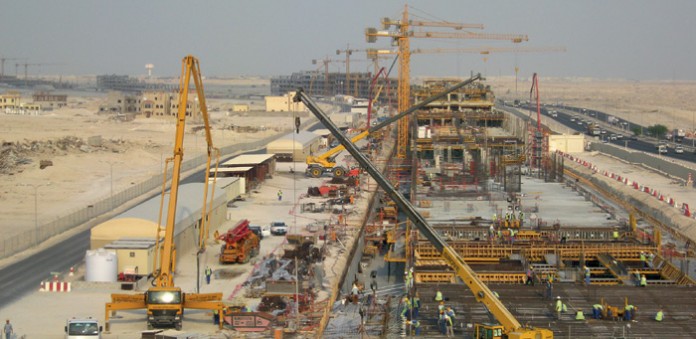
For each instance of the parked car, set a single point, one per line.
(279, 228)
(257, 230)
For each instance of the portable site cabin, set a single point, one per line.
(262, 165)
(141, 220)
(295, 146)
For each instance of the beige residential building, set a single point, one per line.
(284, 103)
(240, 108)
(157, 104)
(49, 101)
(10, 100)
(121, 103)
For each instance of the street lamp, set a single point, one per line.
(111, 182)
(36, 209)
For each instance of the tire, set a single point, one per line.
(339, 172)
(149, 325)
(315, 172)
(178, 326)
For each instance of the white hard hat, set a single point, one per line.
(558, 297)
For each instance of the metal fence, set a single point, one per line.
(101, 210)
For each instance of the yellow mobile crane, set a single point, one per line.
(508, 326)
(164, 301)
(325, 163)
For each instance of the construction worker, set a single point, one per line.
(407, 281)
(415, 326)
(559, 307)
(643, 259)
(449, 326)
(438, 295)
(628, 312)
(415, 302)
(643, 281)
(597, 311)
(352, 199)
(549, 288)
(441, 306)
(615, 235)
(660, 315)
(579, 315)
(450, 313)
(280, 195)
(441, 322)
(588, 273)
(410, 277)
(208, 273)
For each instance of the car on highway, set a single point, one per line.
(613, 136)
(679, 149)
(619, 136)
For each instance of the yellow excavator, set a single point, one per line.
(507, 326)
(326, 163)
(164, 301)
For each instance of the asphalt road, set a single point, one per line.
(25, 276)
(644, 144)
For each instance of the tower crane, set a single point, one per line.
(27, 64)
(2, 64)
(402, 37)
(164, 301)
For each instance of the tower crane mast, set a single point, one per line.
(402, 37)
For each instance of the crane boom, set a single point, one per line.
(481, 292)
(164, 301)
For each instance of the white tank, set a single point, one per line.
(102, 265)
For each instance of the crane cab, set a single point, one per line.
(164, 307)
(488, 331)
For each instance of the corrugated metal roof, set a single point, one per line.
(247, 159)
(188, 208)
(234, 169)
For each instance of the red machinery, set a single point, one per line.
(241, 244)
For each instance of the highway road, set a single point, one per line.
(641, 143)
(25, 276)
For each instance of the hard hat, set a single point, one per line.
(558, 297)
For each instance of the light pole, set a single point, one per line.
(36, 209)
(111, 182)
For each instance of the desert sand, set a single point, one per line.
(135, 150)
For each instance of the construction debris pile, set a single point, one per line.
(15, 155)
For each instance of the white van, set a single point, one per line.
(82, 328)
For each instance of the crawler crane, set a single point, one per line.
(508, 326)
(164, 301)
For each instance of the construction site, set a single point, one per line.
(443, 209)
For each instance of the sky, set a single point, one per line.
(618, 39)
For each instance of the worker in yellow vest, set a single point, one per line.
(660, 315)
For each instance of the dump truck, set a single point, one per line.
(240, 244)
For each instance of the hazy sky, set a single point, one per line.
(629, 39)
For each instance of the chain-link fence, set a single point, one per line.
(98, 211)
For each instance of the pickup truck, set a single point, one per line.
(279, 228)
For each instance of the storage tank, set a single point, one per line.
(102, 265)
